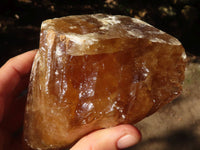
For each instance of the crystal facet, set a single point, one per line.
(97, 71)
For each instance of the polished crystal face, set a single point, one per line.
(97, 71)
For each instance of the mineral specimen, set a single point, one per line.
(97, 71)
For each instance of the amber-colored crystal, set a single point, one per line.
(98, 71)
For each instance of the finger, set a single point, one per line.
(119, 137)
(14, 71)
(12, 76)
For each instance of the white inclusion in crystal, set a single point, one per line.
(146, 72)
(81, 86)
(140, 22)
(58, 51)
(48, 24)
(154, 100)
(44, 25)
(56, 72)
(42, 48)
(104, 27)
(183, 55)
(108, 21)
(90, 106)
(136, 33)
(113, 20)
(161, 32)
(73, 27)
(81, 94)
(75, 38)
(88, 39)
(117, 107)
(57, 82)
(113, 105)
(157, 40)
(123, 116)
(52, 111)
(175, 93)
(84, 122)
(146, 69)
(90, 92)
(45, 45)
(132, 93)
(50, 39)
(156, 32)
(174, 41)
(87, 106)
(65, 86)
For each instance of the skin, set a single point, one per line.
(14, 78)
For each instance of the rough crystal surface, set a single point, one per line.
(98, 71)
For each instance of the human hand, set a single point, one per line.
(14, 77)
(119, 137)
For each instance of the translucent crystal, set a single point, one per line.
(98, 71)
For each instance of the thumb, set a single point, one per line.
(119, 137)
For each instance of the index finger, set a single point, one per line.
(14, 71)
(12, 74)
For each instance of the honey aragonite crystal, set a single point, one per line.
(97, 71)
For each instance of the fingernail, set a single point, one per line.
(127, 141)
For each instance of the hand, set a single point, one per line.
(119, 137)
(14, 77)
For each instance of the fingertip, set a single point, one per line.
(131, 136)
(119, 137)
(131, 130)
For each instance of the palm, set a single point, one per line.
(11, 127)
